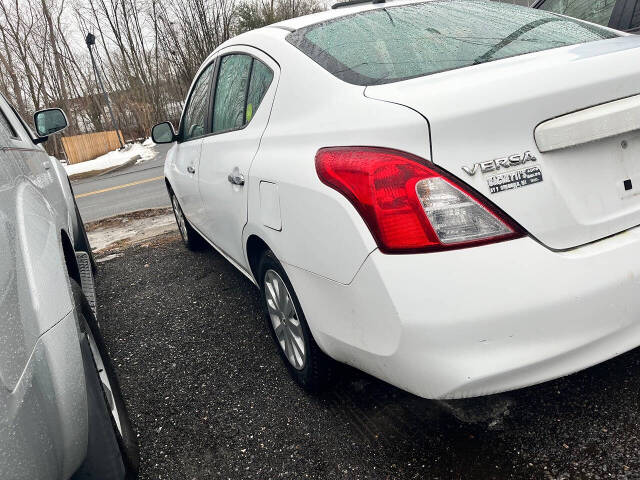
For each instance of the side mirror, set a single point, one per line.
(163, 133)
(49, 121)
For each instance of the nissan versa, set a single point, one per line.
(443, 194)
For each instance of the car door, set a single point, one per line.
(186, 155)
(245, 87)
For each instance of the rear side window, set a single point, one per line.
(231, 91)
(6, 128)
(396, 43)
(261, 77)
(242, 84)
(592, 11)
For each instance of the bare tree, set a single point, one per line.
(147, 50)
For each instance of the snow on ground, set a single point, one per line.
(114, 158)
(127, 229)
(148, 142)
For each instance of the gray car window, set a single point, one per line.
(598, 11)
(231, 92)
(635, 19)
(195, 115)
(261, 77)
(405, 41)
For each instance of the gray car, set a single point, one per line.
(62, 414)
(619, 14)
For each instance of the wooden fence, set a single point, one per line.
(80, 148)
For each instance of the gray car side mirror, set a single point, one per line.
(50, 120)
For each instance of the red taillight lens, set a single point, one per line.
(408, 206)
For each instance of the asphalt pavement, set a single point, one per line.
(210, 398)
(137, 187)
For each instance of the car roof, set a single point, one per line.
(306, 20)
(254, 37)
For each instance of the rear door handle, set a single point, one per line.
(236, 178)
(190, 169)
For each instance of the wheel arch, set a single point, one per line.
(69, 254)
(255, 247)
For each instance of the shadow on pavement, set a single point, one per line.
(210, 398)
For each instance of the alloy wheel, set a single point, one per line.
(284, 319)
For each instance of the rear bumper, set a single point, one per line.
(481, 320)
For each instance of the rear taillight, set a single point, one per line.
(408, 206)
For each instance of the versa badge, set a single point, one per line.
(498, 163)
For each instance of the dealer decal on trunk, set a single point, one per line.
(515, 179)
(508, 180)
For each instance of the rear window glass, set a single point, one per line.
(405, 41)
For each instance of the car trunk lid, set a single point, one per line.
(550, 137)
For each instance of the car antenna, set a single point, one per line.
(348, 3)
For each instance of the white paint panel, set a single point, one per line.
(422, 323)
(595, 123)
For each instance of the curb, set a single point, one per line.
(96, 173)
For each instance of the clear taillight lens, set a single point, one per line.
(454, 215)
(408, 204)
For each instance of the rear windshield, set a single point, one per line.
(405, 41)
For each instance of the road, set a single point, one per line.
(134, 188)
(210, 398)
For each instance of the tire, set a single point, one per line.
(309, 366)
(192, 239)
(112, 452)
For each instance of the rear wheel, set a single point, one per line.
(113, 451)
(191, 238)
(307, 364)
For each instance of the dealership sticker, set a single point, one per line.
(515, 179)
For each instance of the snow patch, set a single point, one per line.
(131, 231)
(113, 159)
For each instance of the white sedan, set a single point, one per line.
(443, 194)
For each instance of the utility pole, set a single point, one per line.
(91, 41)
